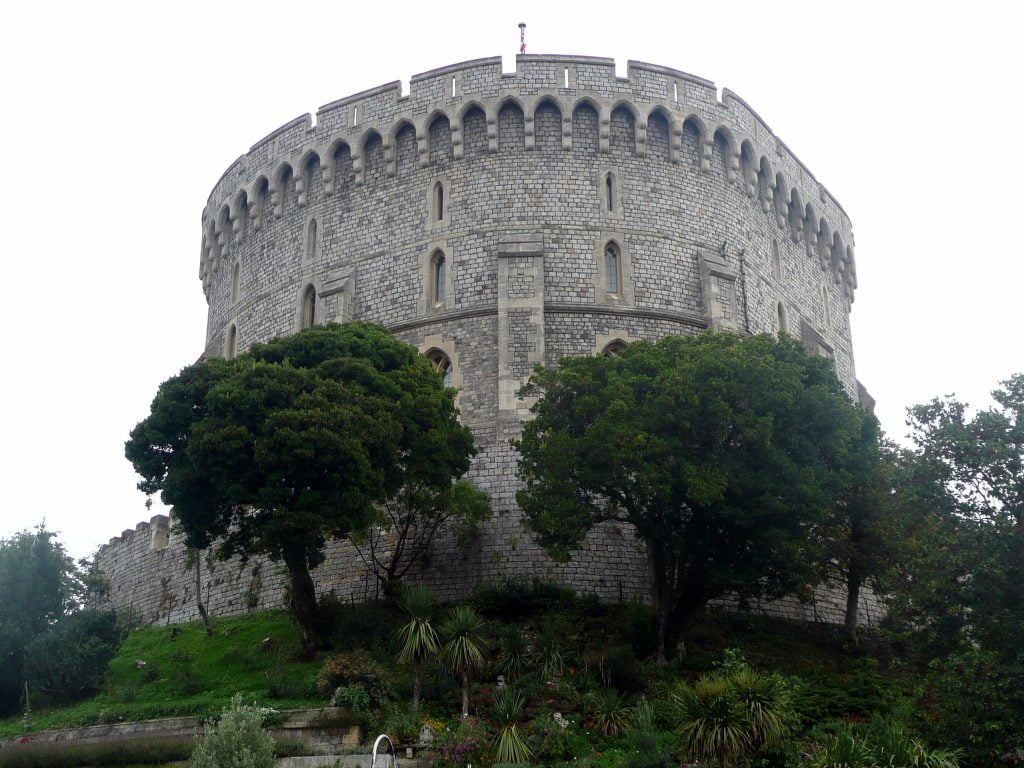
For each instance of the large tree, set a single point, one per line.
(298, 440)
(869, 533)
(964, 587)
(720, 452)
(39, 584)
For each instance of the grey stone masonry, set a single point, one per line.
(497, 221)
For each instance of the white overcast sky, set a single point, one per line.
(118, 119)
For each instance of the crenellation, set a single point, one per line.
(522, 183)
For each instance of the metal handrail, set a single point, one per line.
(376, 743)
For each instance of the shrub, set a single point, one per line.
(67, 755)
(354, 697)
(731, 714)
(353, 668)
(515, 599)
(237, 741)
(69, 661)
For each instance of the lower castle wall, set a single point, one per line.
(151, 578)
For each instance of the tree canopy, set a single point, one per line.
(720, 452)
(298, 440)
(39, 585)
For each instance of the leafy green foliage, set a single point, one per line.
(975, 700)
(721, 452)
(68, 662)
(968, 477)
(39, 585)
(124, 752)
(515, 652)
(353, 668)
(298, 440)
(236, 741)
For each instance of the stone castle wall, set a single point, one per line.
(519, 183)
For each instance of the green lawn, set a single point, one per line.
(186, 673)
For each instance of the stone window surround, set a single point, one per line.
(317, 246)
(441, 343)
(433, 221)
(624, 297)
(427, 304)
(604, 173)
(300, 303)
(615, 335)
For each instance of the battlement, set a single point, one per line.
(756, 159)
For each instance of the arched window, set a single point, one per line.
(609, 193)
(235, 279)
(783, 325)
(311, 239)
(232, 342)
(442, 364)
(613, 348)
(611, 268)
(438, 202)
(308, 307)
(776, 261)
(438, 276)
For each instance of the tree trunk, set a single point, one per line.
(659, 601)
(852, 605)
(199, 594)
(417, 682)
(465, 693)
(303, 604)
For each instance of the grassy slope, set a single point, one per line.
(187, 673)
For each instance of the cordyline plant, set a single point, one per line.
(463, 641)
(418, 637)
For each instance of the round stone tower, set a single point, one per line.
(499, 220)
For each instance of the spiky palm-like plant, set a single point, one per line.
(548, 652)
(418, 637)
(514, 649)
(611, 714)
(716, 726)
(845, 751)
(766, 701)
(894, 746)
(463, 640)
(509, 746)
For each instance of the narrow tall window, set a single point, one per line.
(776, 261)
(783, 325)
(232, 342)
(826, 310)
(438, 277)
(611, 268)
(438, 201)
(309, 307)
(235, 279)
(311, 240)
(609, 190)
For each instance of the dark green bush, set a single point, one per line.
(359, 625)
(355, 668)
(68, 662)
(516, 600)
(123, 752)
